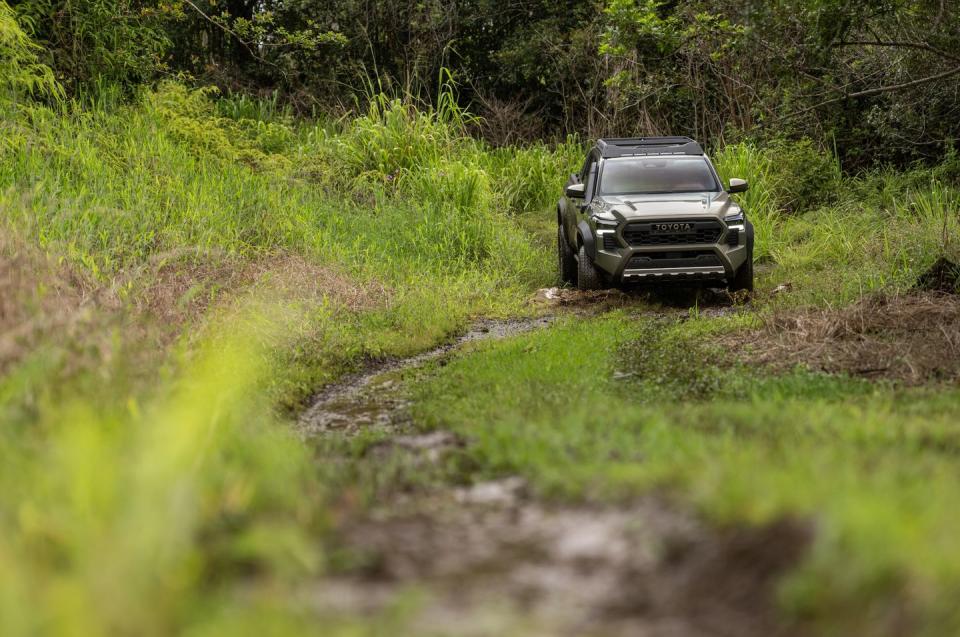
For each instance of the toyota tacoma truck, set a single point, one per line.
(652, 210)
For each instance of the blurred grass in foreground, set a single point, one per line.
(178, 274)
(151, 518)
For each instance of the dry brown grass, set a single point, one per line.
(39, 298)
(45, 301)
(296, 278)
(181, 286)
(912, 338)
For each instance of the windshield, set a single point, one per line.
(649, 175)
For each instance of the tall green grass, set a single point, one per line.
(879, 231)
(398, 185)
(745, 161)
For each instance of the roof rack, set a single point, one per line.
(629, 146)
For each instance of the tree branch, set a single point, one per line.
(922, 46)
(875, 91)
(231, 33)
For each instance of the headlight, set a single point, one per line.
(736, 217)
(605, 224)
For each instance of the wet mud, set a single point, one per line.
(486, 560)
(571, 300)
(374, 397)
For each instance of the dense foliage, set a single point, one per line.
(21, 72)
(876, 79)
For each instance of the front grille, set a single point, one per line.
(610, 242)
(687, 259)
(643, 234)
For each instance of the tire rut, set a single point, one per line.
(369, 398)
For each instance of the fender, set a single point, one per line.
(749, 231)
(586, 236)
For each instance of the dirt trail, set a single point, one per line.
(488, 559)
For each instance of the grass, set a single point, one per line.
(182, 271)
(179, 273)
(173, 181)
(872, 466)
(879, 231)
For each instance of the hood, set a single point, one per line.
(702, 204)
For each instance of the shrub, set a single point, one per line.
(530, 178)
(97, 45)
(395, 137)
(193, 116)
(805, 177)
(21, 73)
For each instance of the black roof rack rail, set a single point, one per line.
(628, 146)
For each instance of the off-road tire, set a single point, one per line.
(568, 261)
(588, 278)
(743, 278)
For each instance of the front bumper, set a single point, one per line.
(718, 260)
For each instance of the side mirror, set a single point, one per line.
(576, 191)
(738, 185)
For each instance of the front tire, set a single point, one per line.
(743, 279)
(587, 276)
(568, 261)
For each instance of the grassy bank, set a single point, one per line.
(397, 223)
(175, 273)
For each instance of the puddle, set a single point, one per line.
(376, 398)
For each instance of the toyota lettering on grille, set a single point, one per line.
(671, 227)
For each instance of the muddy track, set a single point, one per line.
(490, 559)
(365, 399)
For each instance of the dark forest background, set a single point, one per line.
(877, 80)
